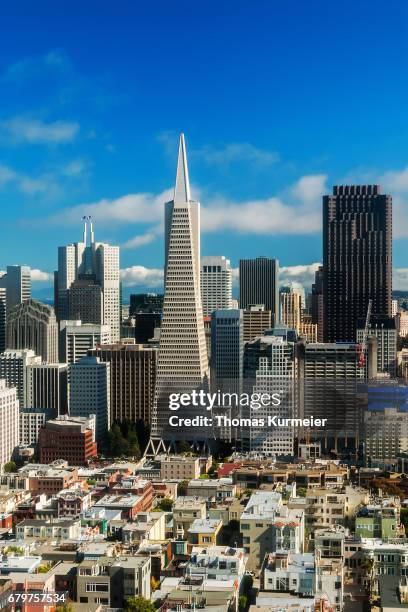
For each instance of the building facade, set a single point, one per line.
(9, 423)
(357, 258)
(259, 284)
(77, 338)
(216, 284)
(47, 387)
(132, 379)
(33, 325)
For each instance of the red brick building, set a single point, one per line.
(69, 438)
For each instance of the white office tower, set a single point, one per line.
(17, 282)
(13, 369)
(216, 284)
(77, 338)
(91, 272)
(47, 387)
(277, 373)
(9, 422)
(89, 392)
(182, 359)
(3, 315)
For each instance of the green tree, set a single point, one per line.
(66, 607)
(165, 505)
(242, 603)
(139, 604)
(10, 466)
(184, 447)
(182, 487)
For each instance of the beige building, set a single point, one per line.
(329, 506)
(179, 467)
(256, 321)
(33, 325)
(185, 511)
(386, 434)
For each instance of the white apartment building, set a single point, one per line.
(9, 424)
(14, 370)
(216, 284)
(31, 420)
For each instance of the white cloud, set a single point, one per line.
(236, 152)
(40, 276)
(139, 275)
(45, 183)
(35, 66)
(34, 131)
(140, 240)
(309, 189)
(303, 274)
(74, 168)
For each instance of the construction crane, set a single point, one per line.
(362, 348)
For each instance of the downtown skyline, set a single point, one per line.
(96, 133)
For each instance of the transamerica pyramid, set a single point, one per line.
(182, 364)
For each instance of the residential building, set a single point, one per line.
(38, 529)
(185, 511)
(357, 258)
(68, 438)
(77, 338)
(267, 524)
(216, 284)
(71, 503)
(146, 526)
(110, 581)
(326, 507)
(179, 467)
(182, 364)
(217, 490)
(33, 325)
(89, 392)
(9, 425)
(132, 379)
(259, 284)
(204, 532)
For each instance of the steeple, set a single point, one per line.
(182, 187)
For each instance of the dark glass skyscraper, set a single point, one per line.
(357, 258)
(259, 284)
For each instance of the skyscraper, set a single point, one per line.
(47, 387)
(77, 338)
(13, 369)
(259, 284)
(33, 325)
(132, 379)
(317, 303)
(17, 282)
(384, 329)
(91, 272)
(216, 284)
(3, 316)
(89, 392)
(357, 258)
(182, 359)
(291, 308)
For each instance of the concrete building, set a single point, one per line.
(9, 424)
(33, 325)
(317, 304)
(383, 328)
(227, 349)
(3, 315)
(259, 284)
(185, 511)
(47, 387)
(179, 467)
(91, 270)
(357, 231)
(109, 581)
(89, 393)
(17, 282)
(182, 364)
(132, 379)
(291, 308)
(277, 373)
(216, 284)
(31, 421)
(256, 321)
(329, 375)
(14, 369)
(267, 524)
(402, 323)
(69, 438)
(77, 339)
(386, 434)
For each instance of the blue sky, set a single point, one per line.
(278, 101)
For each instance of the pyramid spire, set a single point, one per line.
(182, 187)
